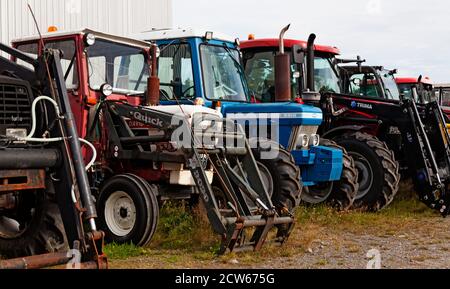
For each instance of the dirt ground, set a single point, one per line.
(407, 235)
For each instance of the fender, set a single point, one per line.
(342, 129)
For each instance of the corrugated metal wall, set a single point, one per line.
(122, 17)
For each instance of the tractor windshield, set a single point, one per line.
(223, 75)
(123, 67)
(175, 71)
(260, 72)
(326, 76)
(406, 89)
(390, 86)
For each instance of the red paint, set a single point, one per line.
(83, 99)
(288, 43)
(412, 80)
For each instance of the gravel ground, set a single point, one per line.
(404, 243)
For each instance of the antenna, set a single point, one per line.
(43, 46)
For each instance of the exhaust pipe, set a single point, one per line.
(310, 63)
(310, 95)
(283, 71)
(153, 84)
(281, 38)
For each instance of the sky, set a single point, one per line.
(412, 36)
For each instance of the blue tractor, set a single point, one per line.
(204, 68)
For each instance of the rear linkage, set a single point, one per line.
(247, 202)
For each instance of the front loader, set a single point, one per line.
(149, 153)
(46, 205)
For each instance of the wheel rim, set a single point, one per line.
(266, 178)
(365, 171)
(317, 194)
(10, 228)
(120, 213)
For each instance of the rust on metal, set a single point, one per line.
(18, 180)
(36, 262)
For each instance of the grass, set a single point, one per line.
(118, 252)
(185, 235)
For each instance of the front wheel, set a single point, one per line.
(128, 210)
(280, 175)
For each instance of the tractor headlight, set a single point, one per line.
(306, 136)
(314, 140)
(304, 140)
(207, 122)
(89, 39)
(106, 90)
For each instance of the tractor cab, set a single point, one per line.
(96, 66)
(423, 87)
(259, 57)
(370, 81)
(442, 93)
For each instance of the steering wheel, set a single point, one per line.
(224, 90)
(184, 92)
(164, 94)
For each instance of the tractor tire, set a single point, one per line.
(283, 174)
(128, 210)
(378, 174)
(338, 194)
(344, 191)
(44, 233)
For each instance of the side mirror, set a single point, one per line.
(356, 81)
(298, 54)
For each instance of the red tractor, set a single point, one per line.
(367, 115)
(423, 85)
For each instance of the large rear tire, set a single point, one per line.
(128, 210)
(378, 170)
(38, 229)
(282, 173)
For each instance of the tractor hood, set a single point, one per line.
(288, 113)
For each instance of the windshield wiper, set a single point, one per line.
(241, 71)
(72, 61)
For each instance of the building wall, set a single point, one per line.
(122, 17)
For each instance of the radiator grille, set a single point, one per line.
(15, 107)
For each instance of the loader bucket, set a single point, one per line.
(250, 209)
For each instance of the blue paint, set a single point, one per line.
(318, 164)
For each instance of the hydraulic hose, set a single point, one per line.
(30, 137)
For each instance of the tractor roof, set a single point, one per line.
(412, 80)
(62, 34)
(160, 34)
(289, 43)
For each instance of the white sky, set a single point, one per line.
(413, 36)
